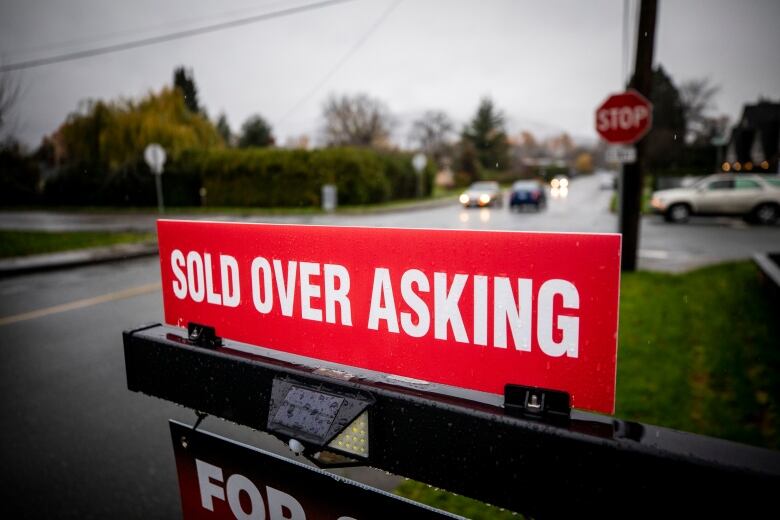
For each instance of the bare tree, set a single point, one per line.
(357, 120)
(696, 96)
(432, 133)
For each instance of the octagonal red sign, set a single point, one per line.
(624, 118)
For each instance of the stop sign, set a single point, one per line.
(624, 118)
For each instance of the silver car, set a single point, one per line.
(755, 197)
(482, 193)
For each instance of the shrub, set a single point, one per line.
(131, 185)
(276, 177)
(19, 177)
(252, 177)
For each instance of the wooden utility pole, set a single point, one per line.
(632, 182)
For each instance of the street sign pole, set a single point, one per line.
(158, 187)
(154, 155)
(418, 162)
(632, 181)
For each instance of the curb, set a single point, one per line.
(769, 267)
(412, 206)
(66, 259)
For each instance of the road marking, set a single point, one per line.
(80, 304)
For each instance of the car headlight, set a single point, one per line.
(484, 198)
(464, 199)
(564, 183)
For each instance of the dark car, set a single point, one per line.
(527, 193)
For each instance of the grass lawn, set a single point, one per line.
(698, 352)
(457, 504)
(22, 243)
(647, 194)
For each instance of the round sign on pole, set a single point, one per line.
(419, 161)
(329, 197)
(154, 154)
(624, 118)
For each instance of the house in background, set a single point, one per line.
(754, 145)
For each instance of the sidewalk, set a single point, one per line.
(33, 263)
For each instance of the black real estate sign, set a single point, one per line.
(220, 478)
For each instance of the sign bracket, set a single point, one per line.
(201, 416)
(542, 404)
(322, 460)
(203, 336)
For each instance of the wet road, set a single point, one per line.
(77, 444)
(663, 246)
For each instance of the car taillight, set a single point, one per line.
(535, 195)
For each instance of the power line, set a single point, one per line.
(357, 45)
(138, 32)
(166, 37)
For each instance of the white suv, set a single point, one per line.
(756, 197)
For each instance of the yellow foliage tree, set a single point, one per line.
(115, 134)
(584, 163)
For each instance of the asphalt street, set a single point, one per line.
(77, 444)
(663, 246)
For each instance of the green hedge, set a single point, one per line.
(132, 185)
(275, 177)
(254, 177)
(19, 177)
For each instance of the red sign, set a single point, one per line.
(472, 309)
(624, 118)
(219, 478)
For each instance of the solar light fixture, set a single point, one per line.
(353, 439)
(320, 418)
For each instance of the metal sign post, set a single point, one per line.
(329, 197)
(418, 162)
(625, 118)
(154, 154)
(632, 182)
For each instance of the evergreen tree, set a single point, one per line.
(184, 81)
(223, 127)
(486, 134)
(256, 132)
(666, 140)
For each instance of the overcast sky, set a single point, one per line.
(546, 64)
